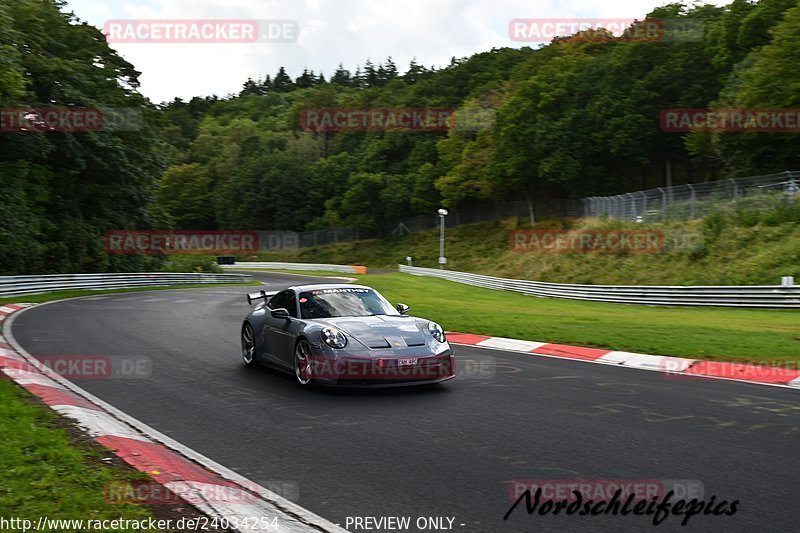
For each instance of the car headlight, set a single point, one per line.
(334, 338)
(436, 331)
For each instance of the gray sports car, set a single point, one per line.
(345, 335)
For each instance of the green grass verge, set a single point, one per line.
(742, 335)
(59, 295)
(45, 474)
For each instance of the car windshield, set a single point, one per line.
(345, 301)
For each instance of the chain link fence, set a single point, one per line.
(696, 200)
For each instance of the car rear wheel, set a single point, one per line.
(302, 362)
(248, 345)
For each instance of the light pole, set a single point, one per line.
(442, 258)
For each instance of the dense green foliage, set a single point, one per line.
(60, 192)
(577, 117)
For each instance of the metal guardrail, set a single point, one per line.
(766, 296)
(14, 285)
(296, 266)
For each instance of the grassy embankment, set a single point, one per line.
(742, 248)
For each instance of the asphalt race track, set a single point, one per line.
(443, 451)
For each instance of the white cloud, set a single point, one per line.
(331, 31)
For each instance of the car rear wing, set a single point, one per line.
(262, 294)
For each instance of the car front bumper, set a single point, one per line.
(386, 370)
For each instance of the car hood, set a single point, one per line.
(381, 331)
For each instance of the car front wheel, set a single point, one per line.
(302, 362)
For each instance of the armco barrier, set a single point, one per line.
(348, 269)
(773, 296)
(13, 285)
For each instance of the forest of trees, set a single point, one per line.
(574, 118)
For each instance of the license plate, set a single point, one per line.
(407, 362)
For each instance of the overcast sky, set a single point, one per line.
(330, 31)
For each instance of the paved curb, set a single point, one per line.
(188, 474)
(674, 367)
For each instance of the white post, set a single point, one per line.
(442, 258)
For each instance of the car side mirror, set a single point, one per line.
(402, 308)
(280, 313)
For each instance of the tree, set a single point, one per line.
(61, 191)
(766, 79)
(306, 79)
(251, 87)
(185, 193)
(282, 82)
(342, 77)
(266, 85)
(390, 70)
(370, 77)
(415, 72)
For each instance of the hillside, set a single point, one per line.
(724, 249)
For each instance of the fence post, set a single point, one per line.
(644, 206)
(791, 187)
(633, 206)
(663, 204)
(692, 201)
